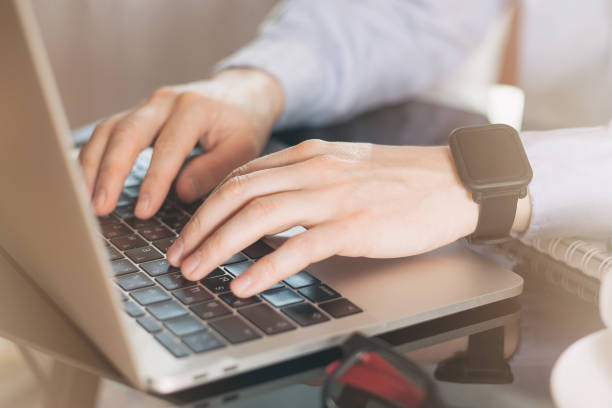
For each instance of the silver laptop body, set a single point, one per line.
(50, 231)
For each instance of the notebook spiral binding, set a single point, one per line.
(576, 265)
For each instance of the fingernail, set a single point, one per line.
(99, 198)
(191, 264)
(175, 251)
(241, 284)
(143, 203)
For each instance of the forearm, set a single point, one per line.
(337, 59)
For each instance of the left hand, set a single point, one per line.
(354, 199)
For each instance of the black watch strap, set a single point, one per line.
(496, 217)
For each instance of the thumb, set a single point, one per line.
(204, 172)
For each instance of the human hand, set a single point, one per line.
(354, 199)
(230, 116)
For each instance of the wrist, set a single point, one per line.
(523, 215)
(254, 91)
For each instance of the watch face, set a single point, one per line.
(490, 157)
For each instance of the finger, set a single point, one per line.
(130, 135)
(91, 153)
(313, 245)
(294, 154)
(237, 192)
(262, 216)
(187, 122)
(205, 172)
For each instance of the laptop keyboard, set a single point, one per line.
(196, 317)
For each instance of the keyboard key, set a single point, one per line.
(217, 284)
(164, 244)
(216, 272)
(235, 259)
(149, 324)
(167, 310)
(184, 326)
(115, 230)
(139, 224)
(210, 310)
(192, 207)
(203, 341)
(158, 267)
(133, 281)
(113, 254)
(131, 191)
(237, 302)
(238, 268)
(149, 296)
(156, 232)
(123, 266)
(176, 221)
(171, 344)
(340, 308)
(192, 295)
(107, 219)
(125, 211)
(305, 314)
(266, 319)
(145, 254)
(131, 309)
(122, 296)
(174, 281)
(258, 250)
(129, 242)
(301, 279)
(234, 329)
(282, 297)
(124, 200)
(277, 285)
(319, 293)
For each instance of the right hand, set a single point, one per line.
(230, 116)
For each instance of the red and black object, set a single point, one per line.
(372, 374)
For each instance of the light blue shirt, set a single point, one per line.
(338, 58)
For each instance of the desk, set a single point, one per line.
(528, 333)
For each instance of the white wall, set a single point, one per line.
(109, 54)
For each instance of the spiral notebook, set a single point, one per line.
(574, 264)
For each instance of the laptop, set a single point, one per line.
(110, 277)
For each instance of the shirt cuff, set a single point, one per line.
(570, 191)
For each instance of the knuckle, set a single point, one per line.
(165, 92)
(101, 128)
(325, 161)
(187, 99)
(312, 146)
(124, 129)
(236, 186)
(261, 207)
(304, 244)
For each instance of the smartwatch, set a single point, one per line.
(493, 166)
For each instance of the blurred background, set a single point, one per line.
(108, 55)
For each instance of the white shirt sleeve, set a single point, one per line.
(338, 58)
(571, 190)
